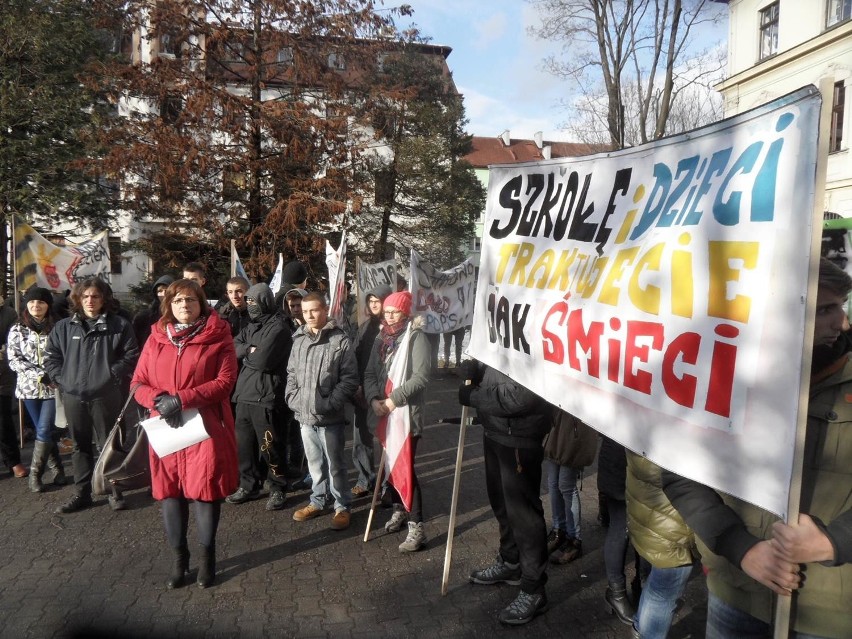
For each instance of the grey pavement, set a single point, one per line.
(102, 573)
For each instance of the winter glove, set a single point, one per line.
(465, 391)
(168, 406)
(469, 370)
(175, 421)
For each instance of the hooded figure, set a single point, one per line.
(263, 348)
(147, 317)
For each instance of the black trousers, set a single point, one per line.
(513, 479)
(10, 451)
(259, 434)
(88, 418)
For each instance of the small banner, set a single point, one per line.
(443, 298)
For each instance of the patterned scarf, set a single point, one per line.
(390, 336)
(180, 334)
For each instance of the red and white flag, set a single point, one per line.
(394, 430)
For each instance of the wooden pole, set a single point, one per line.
(455, 499)
(376, 490)
(784, 605)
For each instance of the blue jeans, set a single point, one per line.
(326, 464)
(43, 414)
(726, 622)
(564, 498)
(659, 598)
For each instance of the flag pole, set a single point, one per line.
(376, 489)
(455, 499)
(233, 258)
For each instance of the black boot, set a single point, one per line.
(179, 568)
(619, 604)
(207, 566)
(54, 463)
(40, 451)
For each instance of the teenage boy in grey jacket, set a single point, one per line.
(322, 376)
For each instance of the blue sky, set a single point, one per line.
(496, 64)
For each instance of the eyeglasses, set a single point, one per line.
(185, 300)
(393, 313)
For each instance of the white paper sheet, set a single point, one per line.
(166, 440)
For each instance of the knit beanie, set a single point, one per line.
(294, 273)
(400, 301)
(38, 293)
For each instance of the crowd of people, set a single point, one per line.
(277, 382)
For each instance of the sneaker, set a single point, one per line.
(77, 502)
(499, 572)
(570, 550)
(523, 609)
(241, 496)
(555, 539)
(359, 491)
(116, 502)
(396, 521)
(340, 520)
(308, 512)
(276, 500)
(416, 538)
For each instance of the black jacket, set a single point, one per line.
(612, 469)
(263, 372)
(91, 363)
(511, 414)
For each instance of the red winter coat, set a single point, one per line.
(203, 377)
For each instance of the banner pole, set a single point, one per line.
(455, 499)
(376, 489)
(233, 258)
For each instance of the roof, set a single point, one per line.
(487, 151)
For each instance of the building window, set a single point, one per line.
(115, 255)
(769, 31)
(284, 57)
(476, 244)
(336, 62)
(835, 142)
(170, 109)
(234, 52)
(169, 44)
(838, 11)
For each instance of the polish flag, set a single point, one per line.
(394, 430)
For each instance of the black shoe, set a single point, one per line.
(77, 502)
(305, 483)
(179, 568)
(497, 573)
(523, 609)
(241, 496)
(207, 567)
(555, 539)
(116, 502)
(276, 500)
(619, 604)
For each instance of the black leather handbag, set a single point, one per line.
(123, 463)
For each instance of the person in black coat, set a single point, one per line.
(147, 317)
(515, 421)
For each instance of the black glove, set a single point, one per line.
(469, 370)
(168, 406)
(465, 391)
(175, 421)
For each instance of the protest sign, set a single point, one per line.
(368, 277)
(39, 262)
(443, 298)
(658, 293)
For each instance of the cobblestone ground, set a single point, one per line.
(101, 573)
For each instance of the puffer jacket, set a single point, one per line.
(657, 530)
(91, 363)
(412, 392)
(511, 414)
(25, 349)
(202, 375)
(322, 376)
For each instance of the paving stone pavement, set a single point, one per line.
(99, 573)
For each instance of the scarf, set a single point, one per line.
(390, 336)
(180, 334)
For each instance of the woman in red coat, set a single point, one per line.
(189, 362)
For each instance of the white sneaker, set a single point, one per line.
(396, 521)
(416, 538)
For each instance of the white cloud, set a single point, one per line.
(489, 117)
(491, 30)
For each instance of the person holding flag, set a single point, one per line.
(395, 386)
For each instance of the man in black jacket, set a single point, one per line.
(515, 421)
(90, 357)
(263, 348)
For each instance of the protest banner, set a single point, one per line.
(278, 276)
(336, 263)
(443, 298)
(39, 262)
(368, 277)
(659, 293)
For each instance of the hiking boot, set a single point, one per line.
(77, 502)
(570, 550)
(396, 521)
(499, 572)
(276, 500)
(523, 609)
(241, 496)
(555, 539)
(416, 538)
(340, 520)
(308, 512)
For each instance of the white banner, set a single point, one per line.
(443, 298)
(368, 277)
(336, 263)
(39, 262)
(277, 276)
(658, 293)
